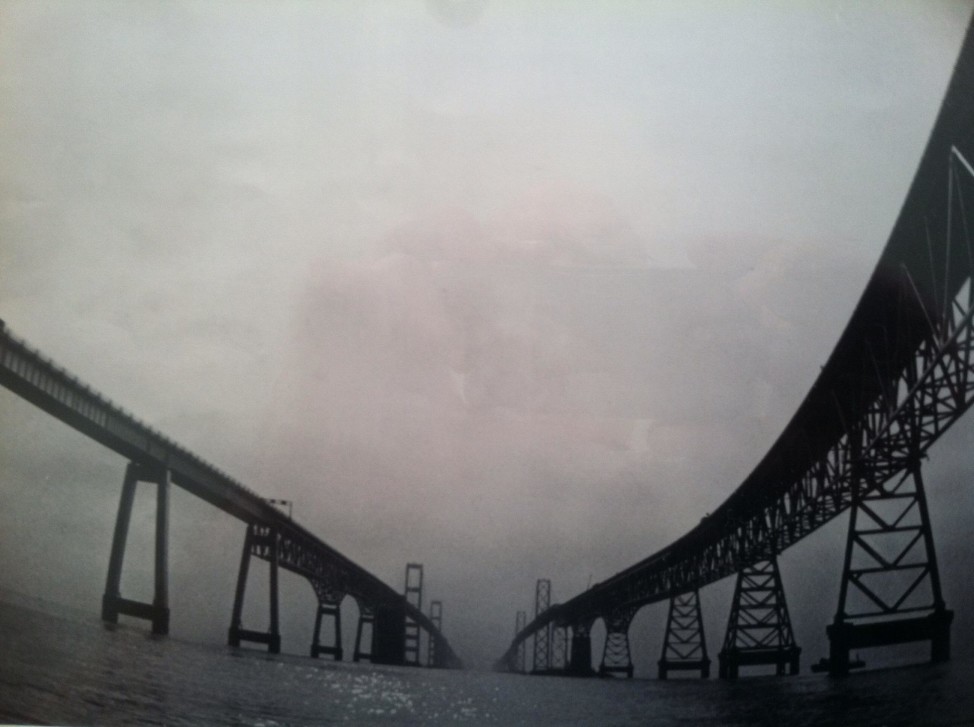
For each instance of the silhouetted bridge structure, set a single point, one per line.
(394, 620)
(900, 375)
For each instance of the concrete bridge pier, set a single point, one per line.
(261, 540)
(112, 603)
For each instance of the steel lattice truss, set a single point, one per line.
(759, 615)
(542, 638)
(899, 377)
(684, 640)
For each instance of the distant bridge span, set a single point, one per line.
(271, 535)
(900, 375)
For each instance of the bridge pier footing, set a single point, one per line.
(844, 637)
(112, 603)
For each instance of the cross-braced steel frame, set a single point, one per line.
(891, 585)
(684, 643)
(559, 648)
(413, 592)
(901, 374)
(542, 638)
(759, 628)
(616, 657)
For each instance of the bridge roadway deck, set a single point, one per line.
(899, 376)
(29, 374)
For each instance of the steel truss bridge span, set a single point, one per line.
(900, 375)
(271, 534)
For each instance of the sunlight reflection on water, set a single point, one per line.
(70, 670)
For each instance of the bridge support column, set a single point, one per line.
(559, 648)
(334, 612)
(413, 593)
(615, 656)
(580, 664)
(366, 617)
(542, 637)
(330, 597)
(684, 644)
(436, 616)
(520, 656)
(759, 628)
(112, 603)
(890, 591)
(262, 541)
(389, 634)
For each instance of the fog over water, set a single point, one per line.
(511, 289)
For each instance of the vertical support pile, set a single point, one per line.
(112, 603)
(684, 644)
(759, 628)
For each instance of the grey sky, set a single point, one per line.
(514, 289)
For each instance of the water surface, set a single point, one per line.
(60, 667)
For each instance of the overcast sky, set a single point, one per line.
(512, 289)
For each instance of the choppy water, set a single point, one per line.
(68, 669)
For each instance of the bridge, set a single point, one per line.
(390, 623)
(900, 375)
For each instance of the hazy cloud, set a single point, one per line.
(515, 290)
